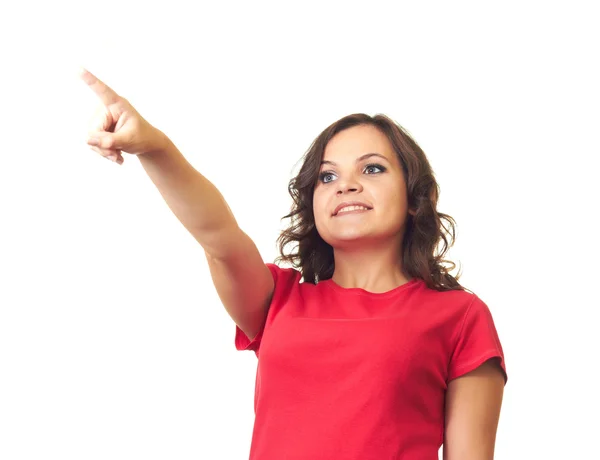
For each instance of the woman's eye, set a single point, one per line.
(381, 168)
(324, 175)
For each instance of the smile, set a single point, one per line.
(352, 210)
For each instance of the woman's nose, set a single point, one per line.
(348, 185)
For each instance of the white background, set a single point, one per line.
(113, 342)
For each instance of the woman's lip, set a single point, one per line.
(355, 211)
(347, 204)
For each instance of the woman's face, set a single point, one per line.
(360, 165)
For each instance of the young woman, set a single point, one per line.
(377, 352)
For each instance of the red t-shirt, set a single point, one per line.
(345, 374)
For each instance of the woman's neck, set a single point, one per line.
(375, 268)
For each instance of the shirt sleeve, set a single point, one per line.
(477, 342)
(284, 279)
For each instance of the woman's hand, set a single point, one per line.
(117, 127)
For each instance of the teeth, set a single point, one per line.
(352, 208)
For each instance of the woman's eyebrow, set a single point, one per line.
(359, 159)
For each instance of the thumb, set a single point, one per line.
(105, 140)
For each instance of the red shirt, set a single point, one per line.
(345, 374)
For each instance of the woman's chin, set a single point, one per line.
(348, 236)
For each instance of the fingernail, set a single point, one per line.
(93, 141)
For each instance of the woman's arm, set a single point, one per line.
(473, 404)
(243, 281)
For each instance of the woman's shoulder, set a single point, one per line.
(289, 274)
(460, 295)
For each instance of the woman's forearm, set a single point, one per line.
(194, 200)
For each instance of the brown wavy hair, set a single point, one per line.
(424, 232)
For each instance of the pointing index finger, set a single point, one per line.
(105, 93)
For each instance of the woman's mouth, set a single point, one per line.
(352, 210)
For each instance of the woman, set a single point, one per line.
(379, 353)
